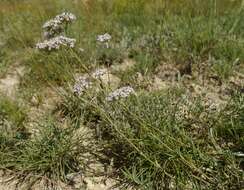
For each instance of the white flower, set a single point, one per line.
(120, 93)
(104, 38)
(56, 43)
(55, 25)
(81, 85)
(99, 73)
(52, 24)
(65, 17)
(59, 20)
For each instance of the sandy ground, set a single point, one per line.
(213, 93)
(9, 84)
(9, 87)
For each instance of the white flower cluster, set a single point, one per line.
(66, 17)
(84, 83)
(55, 25)
(120, 93)
(52, 29)
(81, 85)
(99, 73)
(104, 37)
(56, 43)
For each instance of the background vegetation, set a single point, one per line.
(151, 143)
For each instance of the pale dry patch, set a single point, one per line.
(125, 65)
(159, 84)
(41, 104)
(110, 80)
(237, 80)
(167, 72)
(9, 84)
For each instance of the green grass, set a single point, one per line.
(149, 32)
(152, 143)
(12, 112)
(53, 153)
(154, 148)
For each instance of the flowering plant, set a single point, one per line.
(56, 43)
